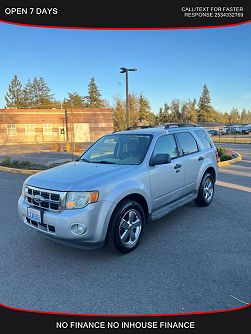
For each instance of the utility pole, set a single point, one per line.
(126, 70)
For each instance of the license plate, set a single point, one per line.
(34, 215)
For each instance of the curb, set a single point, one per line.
(19, 170)
(230, 162)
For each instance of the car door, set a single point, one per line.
(166, 180)
(191, 160)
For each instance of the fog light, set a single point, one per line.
(78, 229)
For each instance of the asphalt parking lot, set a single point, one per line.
(195, 259)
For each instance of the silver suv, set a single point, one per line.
(121, 182)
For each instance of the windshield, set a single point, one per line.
(121, 149)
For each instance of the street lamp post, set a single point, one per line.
(126, 70)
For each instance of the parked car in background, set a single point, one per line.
(224, 131)
(213, 132)
(240, 129)
(121, 182)
(246, 130)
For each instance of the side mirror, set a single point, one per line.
(160, 159)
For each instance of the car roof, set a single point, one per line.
(158, 130)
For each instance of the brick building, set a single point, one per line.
(54, 125)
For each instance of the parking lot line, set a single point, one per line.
(233, 186)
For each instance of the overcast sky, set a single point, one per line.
(171, 63)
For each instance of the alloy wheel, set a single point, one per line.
(208, 190)
(130, 228)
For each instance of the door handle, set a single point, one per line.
(177, 166)
(200, 158)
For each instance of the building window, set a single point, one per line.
(11, 130)
(29, 129)
(47, 129)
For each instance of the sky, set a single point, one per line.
(171, 64)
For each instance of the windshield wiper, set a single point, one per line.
(83, 159)
(103, 162)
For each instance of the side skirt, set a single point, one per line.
(161, 212)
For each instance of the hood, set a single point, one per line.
(77, 176)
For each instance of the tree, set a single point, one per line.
(119, 115)
(175, 115)
(144, 109)
(133, 107)
(205, 110)
(248, 119)
(106, 104)
(164, 114)
(15, 96)
(234, 116)
(189, 112)
(37, 94)
(152, 118)
(74, 100)
(245, 116)
(94, 99)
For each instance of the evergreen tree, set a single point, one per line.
(248, 116)
(244, 116)
(219, 117)
(192, 112)
(226, 118)
(152, 118)
(164, 114)
(119, 115)
(175, 115)
(144, 109)
(37, 94)
(234, 116)
(15, 96)
(204, 107)
(74, 100)
(133, 106)
(188, 112)
(94, 99)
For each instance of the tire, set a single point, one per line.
(126, 226)
(206, 191)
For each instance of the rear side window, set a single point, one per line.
(166, 145)
(187, 143)
(204, 137)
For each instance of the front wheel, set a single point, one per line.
(126, 226)
(206, 191)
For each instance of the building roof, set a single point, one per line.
(53, 110)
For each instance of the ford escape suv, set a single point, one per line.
(121, 182)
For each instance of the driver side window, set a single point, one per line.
(166, 145)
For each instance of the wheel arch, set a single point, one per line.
(207, 169)
(211, 171)
(138, 198)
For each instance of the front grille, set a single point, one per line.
(46, 199)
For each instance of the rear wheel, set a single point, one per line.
(126, 226)
(206, 191)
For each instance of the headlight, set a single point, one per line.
(78, 200)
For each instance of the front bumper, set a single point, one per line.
(56, 225)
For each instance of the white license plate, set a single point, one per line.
(34, 215)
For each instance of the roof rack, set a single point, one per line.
(179, 125)
(136, 127)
